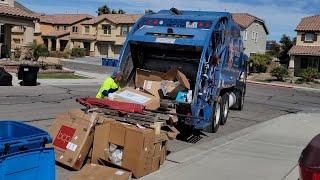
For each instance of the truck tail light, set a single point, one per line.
(200, 24)
(149, 21)
(155, 22)
(308, 174)
(207, 24)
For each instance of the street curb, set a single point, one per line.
(282, 86)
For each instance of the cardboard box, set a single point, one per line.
(138, 150)
(142, 75)
(97, 172)
(163, 136)
(173, 88)
(134, 96)
(156, 163)
(117, 133)
(152, 87)
(72, 138)
(138, 147)
(89, 157)
(101, 142)
(163, 152)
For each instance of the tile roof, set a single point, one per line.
(311, 23)
(305, 50)
(83, 36)
(56, 34)
(64, 18)
(13, 11)
(115, 18)
(244, 20)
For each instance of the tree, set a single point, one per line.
(37, 50)
(148, 11)
(114, 11)
(103, 10)
(260, 62)
(286, 45)
(274, 49)
(121, 11)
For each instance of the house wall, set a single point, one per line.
(297, 65)
(251, 46)
(302, 43)
(7, 2)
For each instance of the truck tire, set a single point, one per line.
(224, 108)
(215, 118)
(240, 99)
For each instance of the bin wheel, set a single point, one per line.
(215, 118)
(224, 108)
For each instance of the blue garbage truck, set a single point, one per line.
(205, 46)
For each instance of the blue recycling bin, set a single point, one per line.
(36, 164)
(116, 63)
(110, 62)
(104, 62)
(17, 136)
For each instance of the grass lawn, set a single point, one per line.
(60, 76)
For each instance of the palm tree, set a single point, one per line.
(103, 10)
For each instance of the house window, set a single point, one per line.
(124, 30)
(86, 29)
(309, 37)
(74, 29)
(253, 35)
(256, 37)
(65, 28)
(1, 33)
(106, 29)
(17, 43)
(245, 35)
(309, 62)
(57, 28)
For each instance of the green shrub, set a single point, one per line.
(310, 74)
(260, 62)
(280, 72)
(78, 52)
(36, 50)
(44, 66)
(59, 54)
(58, 66)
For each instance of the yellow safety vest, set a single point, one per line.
(108, 84)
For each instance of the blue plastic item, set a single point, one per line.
(104, 62)
(182, 97)
(17, 136)
(116, 63)
(37, 164)
(110, 62)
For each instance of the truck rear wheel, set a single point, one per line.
(215, 118)
(240, 99)
(224, 108)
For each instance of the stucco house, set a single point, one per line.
(10, 17)
(110, 32)
(254, 32)
(306, 52)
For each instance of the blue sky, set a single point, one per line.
(281, 16)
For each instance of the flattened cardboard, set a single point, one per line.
(172, 134)
(142, 75)
(152, 87)
(73, 138)
(101, 142)
(153, 103)
(102, 119)
(97, 172)
(117, 133)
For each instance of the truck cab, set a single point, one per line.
(205, 46)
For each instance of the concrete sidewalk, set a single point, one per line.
(268, 150)
(95, 78)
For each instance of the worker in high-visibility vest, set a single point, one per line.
(110, 85)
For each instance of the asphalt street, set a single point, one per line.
(39, 106)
